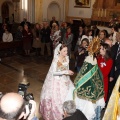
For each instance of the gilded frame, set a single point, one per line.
(83, 3)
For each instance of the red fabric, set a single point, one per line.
(105, 69)
(27, 39)
(67, 34)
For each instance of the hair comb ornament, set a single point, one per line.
(57, 50)
(94, 46)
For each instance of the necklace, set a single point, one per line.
(62, 59)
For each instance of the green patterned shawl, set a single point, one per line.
(89, 83)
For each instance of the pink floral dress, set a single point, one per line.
(55, 89)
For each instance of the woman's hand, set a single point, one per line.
(70, 72)
(80, 53)
(111, 79)
(37, 38)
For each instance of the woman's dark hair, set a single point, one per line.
(68, 27)
(8, 29)
(115, 28)
(35, 25)
(62, 46)
(106, 33)
(108, 50)
(88, 31)
(102, 31)
(86, 40)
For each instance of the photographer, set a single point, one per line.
(71, 113)
(13, 107)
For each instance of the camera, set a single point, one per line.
(1, 94)
(22, 90)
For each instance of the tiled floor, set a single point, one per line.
(35, 70)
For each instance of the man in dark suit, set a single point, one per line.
(70, 112)
(95, 31)
(115, 71)
(25, 22)
(53, 21)
(117, 61)
(116, 58)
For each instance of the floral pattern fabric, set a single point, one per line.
(55, 90)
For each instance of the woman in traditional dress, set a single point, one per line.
(56, 85)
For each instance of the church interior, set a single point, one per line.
(16, 67)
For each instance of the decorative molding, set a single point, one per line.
(15, 0)
(83, 4)
(86, 20)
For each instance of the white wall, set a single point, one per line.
(53, 10)
(29, 13)
(46, 3)
(79, 12)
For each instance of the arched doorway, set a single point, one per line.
(54, 10)
(7, 11)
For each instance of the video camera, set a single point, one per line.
(1, 94)
(22, 90)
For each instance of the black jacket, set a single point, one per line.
(115, 61)
(45, 33)
(78, 115)
(117, 64)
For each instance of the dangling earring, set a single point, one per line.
(58, 52)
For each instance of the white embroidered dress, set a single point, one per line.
(55, 90)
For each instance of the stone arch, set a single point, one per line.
(7, 11)
(54, 6)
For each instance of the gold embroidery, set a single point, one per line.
(59, 64)
(61, 67)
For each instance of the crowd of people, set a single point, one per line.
(96, 55)
(97, 73)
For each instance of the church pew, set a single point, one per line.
(7, 45)
(10, 48)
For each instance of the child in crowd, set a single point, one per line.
(81, 53)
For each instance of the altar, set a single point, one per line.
(104, 28)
